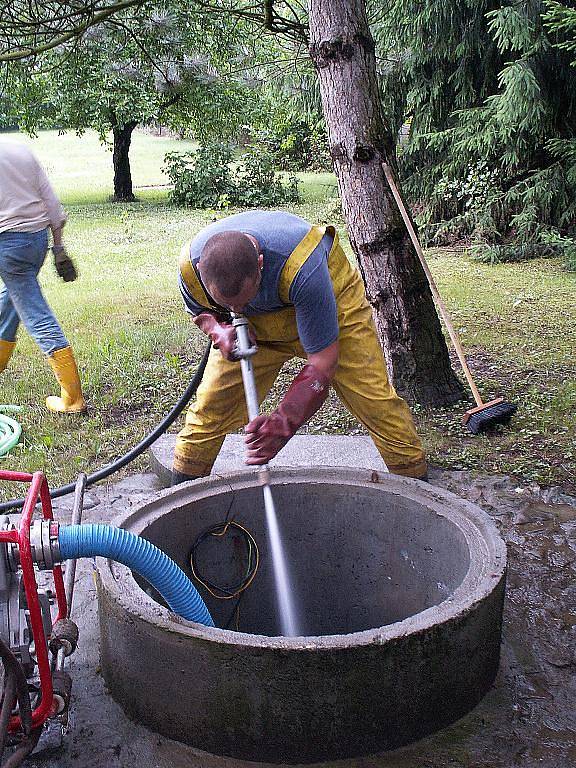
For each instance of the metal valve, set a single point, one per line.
(243, 348)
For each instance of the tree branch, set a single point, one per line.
(76, 32)
(40, 27)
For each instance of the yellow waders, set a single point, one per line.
(361, 379)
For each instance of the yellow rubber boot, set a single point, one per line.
(71, 400)
(6, 349)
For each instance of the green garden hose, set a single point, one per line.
(10, 430)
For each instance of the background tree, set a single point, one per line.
(560, 19)
(342, 50)
(31, 28)
(490, 100)
(129, 71)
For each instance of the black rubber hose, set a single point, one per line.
(13, 668)
(23, 749)
(8, 702)
(133, 453)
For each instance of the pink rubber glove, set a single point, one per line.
(266, 435)
(222, 335)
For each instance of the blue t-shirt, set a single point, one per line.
(311, 293)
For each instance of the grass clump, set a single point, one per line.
(137, 348)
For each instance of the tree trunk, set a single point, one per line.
(120, 157)
(342, 49)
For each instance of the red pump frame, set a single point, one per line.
(21, 537)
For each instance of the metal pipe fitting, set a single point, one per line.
(244, 347)
(44, 544)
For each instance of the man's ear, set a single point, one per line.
(260, 261)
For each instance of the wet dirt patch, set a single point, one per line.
(527, 720)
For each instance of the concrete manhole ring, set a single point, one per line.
(400, 586)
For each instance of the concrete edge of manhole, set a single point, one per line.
(486, 571)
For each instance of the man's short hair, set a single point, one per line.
(227, 260)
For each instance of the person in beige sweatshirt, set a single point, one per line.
(29, 208)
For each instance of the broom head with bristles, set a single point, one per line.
(488, 415)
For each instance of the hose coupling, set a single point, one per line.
(45, 544)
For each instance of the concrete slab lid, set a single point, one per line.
(301, 451)
(487, 550)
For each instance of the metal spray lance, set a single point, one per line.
(245, 351)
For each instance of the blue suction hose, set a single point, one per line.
(141, 556)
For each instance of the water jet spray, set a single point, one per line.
(245, 350)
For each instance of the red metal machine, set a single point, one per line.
(34, 643)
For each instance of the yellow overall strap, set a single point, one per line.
(192, 281)
(298, 256)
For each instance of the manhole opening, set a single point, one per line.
(359, 558)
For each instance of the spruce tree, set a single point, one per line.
(490, 96)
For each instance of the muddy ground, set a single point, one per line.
(527, 719)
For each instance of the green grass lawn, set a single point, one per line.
(137, 348)
(80, 168)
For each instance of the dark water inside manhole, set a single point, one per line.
(359, 559)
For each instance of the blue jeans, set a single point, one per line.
(21, 257)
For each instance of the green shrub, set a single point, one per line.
(296, 143)
(503, 222)
(201, 178)
(550, 246)
(207, 178)
(257, 182)
(319, 158)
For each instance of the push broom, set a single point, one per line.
(484, 415)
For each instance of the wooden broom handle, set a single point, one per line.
(437, 298)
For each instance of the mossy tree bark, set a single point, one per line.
(342, 49)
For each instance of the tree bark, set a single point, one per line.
(342, 50)
(120, 157)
